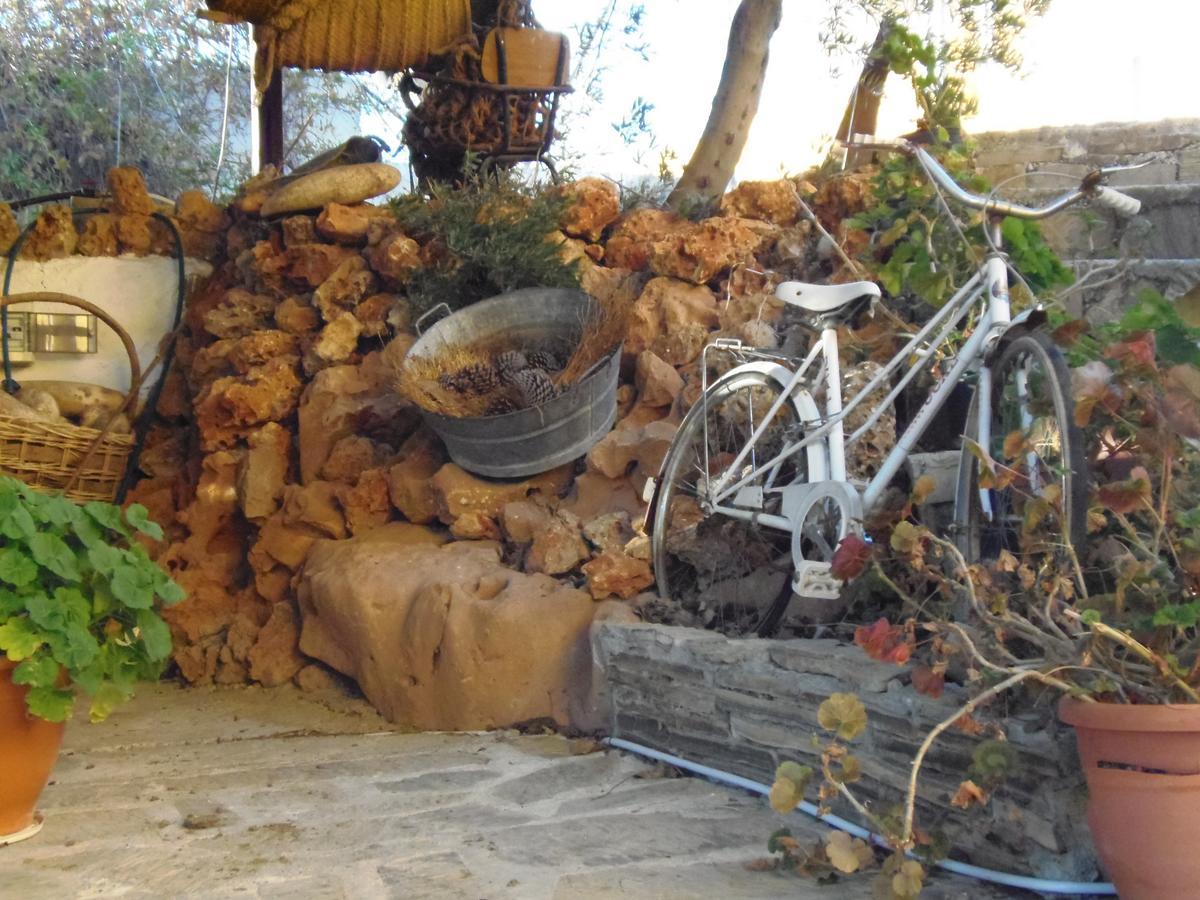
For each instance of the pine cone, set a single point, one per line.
(509, 364)
(477, 378)
(543, 359)
(500, 405)
(535, 387)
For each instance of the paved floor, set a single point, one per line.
(254, 793)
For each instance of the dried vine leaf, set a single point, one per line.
(843, 714)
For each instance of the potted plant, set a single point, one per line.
(1113, 629)
(79, 608)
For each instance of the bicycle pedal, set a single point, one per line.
(812, 580)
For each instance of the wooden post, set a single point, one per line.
(267, 125)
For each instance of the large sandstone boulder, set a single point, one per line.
(445, 638)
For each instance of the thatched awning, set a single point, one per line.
(346, 35)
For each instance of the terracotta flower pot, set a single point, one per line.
(1143, 772)
(28, 750)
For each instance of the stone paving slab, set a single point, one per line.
(248, 793)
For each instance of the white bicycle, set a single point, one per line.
(755, 483)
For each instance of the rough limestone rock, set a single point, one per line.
(366, 504)
(339, 184)
(312, 264)
(632, 241)
(345, 400)
(128, 189)
(609, 533)
(264, 471)
(9, 228)
(349, 283)
(445, 638)
(595, 494)
(99, 236)
(645, 445)
(615, 574)
(410, 479)
(558, 547)
(776, 202)
(335, 344)
(658, 383)
(298, 230)
(522, 519)
(297, 316)
(395, 258)
(702, 251)
(259, 348)
(274, 658)
(239, 313)
(53, 235)
(375, 314)
(459, 492)
(315, 505)
(233, 407)
(194, 210)
(592, 204)
(345, 224)
(350, 457)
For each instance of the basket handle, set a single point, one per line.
(135, 367)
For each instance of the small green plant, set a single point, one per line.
(487, 237)
(79, 600)
(915, 249)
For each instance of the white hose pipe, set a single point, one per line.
(1044, 885)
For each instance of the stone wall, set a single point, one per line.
(746, 705)
(1160, 246)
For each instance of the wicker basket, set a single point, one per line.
(82, 463)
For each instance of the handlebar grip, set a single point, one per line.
(1116, 201)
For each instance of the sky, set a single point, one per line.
(1086, 61)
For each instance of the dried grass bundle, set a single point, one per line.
(602, 332)
(421, 381)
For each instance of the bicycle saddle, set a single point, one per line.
(824, 299)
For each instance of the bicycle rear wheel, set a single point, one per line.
(733, 573)
(1033, 501)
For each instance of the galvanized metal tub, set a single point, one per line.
(528, 441)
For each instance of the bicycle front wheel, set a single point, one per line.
(1031, 498)
(734, 573)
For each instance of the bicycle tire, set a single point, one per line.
(1051, 451)
(683, 580)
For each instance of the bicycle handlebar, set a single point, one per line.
(1090, 187)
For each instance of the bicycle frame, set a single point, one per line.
(989, 282)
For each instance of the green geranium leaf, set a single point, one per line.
(107, 515)
(104, 559)
(75, 606)
(106, 699)
(130, 589)
(39, 670)
(137, 516)
(20, 638)
(49, 703)
(51, 552)
(155, 634)
(46, 612)
(10, 604)
(170, 592)
(16, 568)
(18, 525)
(58, 510)
(88, 532)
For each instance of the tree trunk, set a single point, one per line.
(862, 112)
(713, 161)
